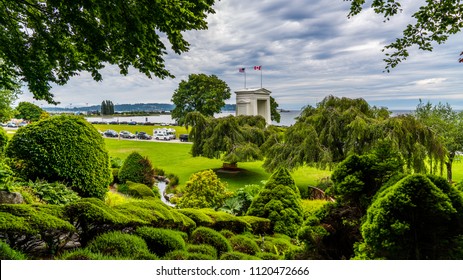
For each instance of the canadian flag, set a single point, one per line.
(257, 67)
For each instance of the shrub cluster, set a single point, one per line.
(161, 241)
(204, 235)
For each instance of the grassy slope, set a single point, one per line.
(175, 158)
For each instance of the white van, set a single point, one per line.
(164, 133)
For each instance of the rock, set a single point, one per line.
(11, 198)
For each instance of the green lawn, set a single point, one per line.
(176, 158)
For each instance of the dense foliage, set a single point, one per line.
(62, 149)
(203, 190)
(279, 201)
(45, 42)
(417, 218)
(201, 93)
(107, 107)
(338, 127)
(232, 139)
(28, 111)
(138, 169)
(161, 241)
(3, 141)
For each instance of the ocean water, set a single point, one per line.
(286, 118)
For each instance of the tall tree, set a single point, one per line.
(274, 115)
(202, 93)
(435, 21)
(107, 107)
(448, 124)
(232, 139)
(8, 95)
(28, 111)
(338, 127)
(48, 41)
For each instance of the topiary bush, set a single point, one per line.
(280, 202)
(120, 245)
(204, 249)
(34, 228)
(138, 169)
(204, 235)
(83, 254)
(139, 190)
(244, 244)
(203, 190)
(161, 241)
(258, 225)
(237, 256)
(64, 149)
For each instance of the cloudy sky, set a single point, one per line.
(308, 49)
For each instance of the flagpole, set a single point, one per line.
(261, 77)
(244, 79)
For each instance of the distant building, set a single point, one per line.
(253, 102)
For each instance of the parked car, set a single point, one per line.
(110, 133)
(162, 136)
(183, 137)
(11, 125)
(126, 134)
(143, 135)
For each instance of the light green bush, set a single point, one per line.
(161, 241)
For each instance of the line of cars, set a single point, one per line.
(166, 134)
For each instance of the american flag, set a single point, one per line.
(242, 70)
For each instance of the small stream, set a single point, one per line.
(162, 188)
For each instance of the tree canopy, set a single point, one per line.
(47, 42)
(7, 97)
(448, 123)
(28, 111)
(338, 127)
(435, 22)
(201, 93)
(232, 139)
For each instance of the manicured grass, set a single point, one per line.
(176, 158)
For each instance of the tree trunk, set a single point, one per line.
(448, 164)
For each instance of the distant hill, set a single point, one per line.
(137, 107)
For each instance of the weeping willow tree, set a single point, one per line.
(338, 127)
(232, 139)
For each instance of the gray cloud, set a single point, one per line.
(307, 49)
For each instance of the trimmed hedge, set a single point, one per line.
(204, 235)
(244, 244)
(117, 244)
(62, 149)
(27, 228)
(204, 249)
(258, 225)
(237, 256)
(197, 215)
(183, 255)
(140, 190)
(161, 241)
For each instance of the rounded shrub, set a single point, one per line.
(244, 244)
(64, 149)
(119, 244)
(237, 256)
(203, 235)
(204, 249)
(161, 241)
(138, 169)
(139, 190)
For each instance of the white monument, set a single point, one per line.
(253, 102)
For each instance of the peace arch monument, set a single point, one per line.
(253, 102)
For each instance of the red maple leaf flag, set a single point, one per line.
(258, 67)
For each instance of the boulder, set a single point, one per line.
(11, 198)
